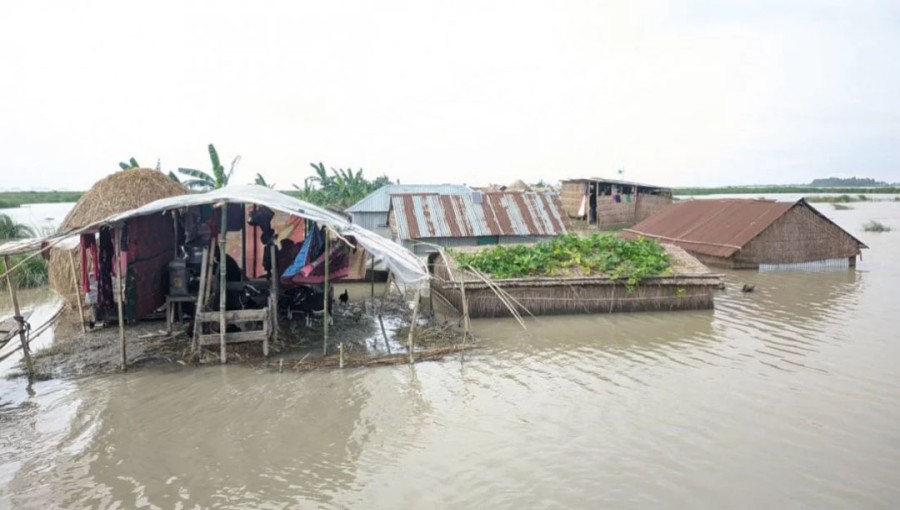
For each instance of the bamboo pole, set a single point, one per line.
(274, 289)
(412, 327)
(223, 226)
(341, 350)
(175, 231)
(244, 240)
(77, 291)
(372, 276)
(120, 291)
(204, 263)
(325, 299)
(26, 353)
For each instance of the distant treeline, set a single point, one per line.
(838, 182)
(9, 199)
(733, 190)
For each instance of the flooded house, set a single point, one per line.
(372, 211)
(423, 222)
(752, 234)
(607, 204)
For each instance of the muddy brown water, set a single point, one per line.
(788, 396)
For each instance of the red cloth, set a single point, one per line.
(88, 243)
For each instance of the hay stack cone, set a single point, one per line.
(116, 193)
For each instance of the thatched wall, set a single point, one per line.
(691, 287)
(648, 205)
(800, 235)
(116, 193)
(570, 195)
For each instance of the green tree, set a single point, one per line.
(342, 187)
(9, 229)
(202, 181)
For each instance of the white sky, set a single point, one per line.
(677, 93)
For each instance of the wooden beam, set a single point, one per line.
(372, 277)
(235, 315)
(26, 353)
(274, 289)
(233, 338)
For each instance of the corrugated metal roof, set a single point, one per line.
(422, 216)
(712, 227)
(380, 199)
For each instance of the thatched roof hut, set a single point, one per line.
(115, 193)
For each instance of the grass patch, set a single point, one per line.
(569, 255)
(33, 273)
(874, 226)
(841, 207)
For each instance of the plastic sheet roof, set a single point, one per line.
(407, 268)
(426, 216)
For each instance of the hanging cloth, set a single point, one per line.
(306, 252)
(88, 253)
(583, 207)
(105, 270)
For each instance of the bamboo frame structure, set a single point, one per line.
(410, 342)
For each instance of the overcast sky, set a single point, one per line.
(676, 93)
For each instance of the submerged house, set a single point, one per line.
(372, 211)
(424, 220)
(687, 285)
(752, 234)
(609, 203)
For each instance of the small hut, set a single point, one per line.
(688, 286)
(115, 193)
(608, 203)
(752, 234)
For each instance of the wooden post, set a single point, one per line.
(198, 308)
(175, 230)
(412, 327)
(26, 353)
(341, 359)
(255, 254)
(465, 307)
(120, 291)
(274, 289)
(223, 227)
(244, 240)
(372, 276)
(77, 291)
(325, 299)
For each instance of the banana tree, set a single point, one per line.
(261, 181)
(10, 229)
(218, 178)
(132, 163)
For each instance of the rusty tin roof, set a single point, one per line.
(714, 227)
(425, 215)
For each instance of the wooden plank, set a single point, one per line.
(261, 314)
(121, 295)
(233, 338)
(223, 255)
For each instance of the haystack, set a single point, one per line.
(116, 193)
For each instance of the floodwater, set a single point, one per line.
(785, 397)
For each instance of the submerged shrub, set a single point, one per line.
(874, 226)
(840, 207)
